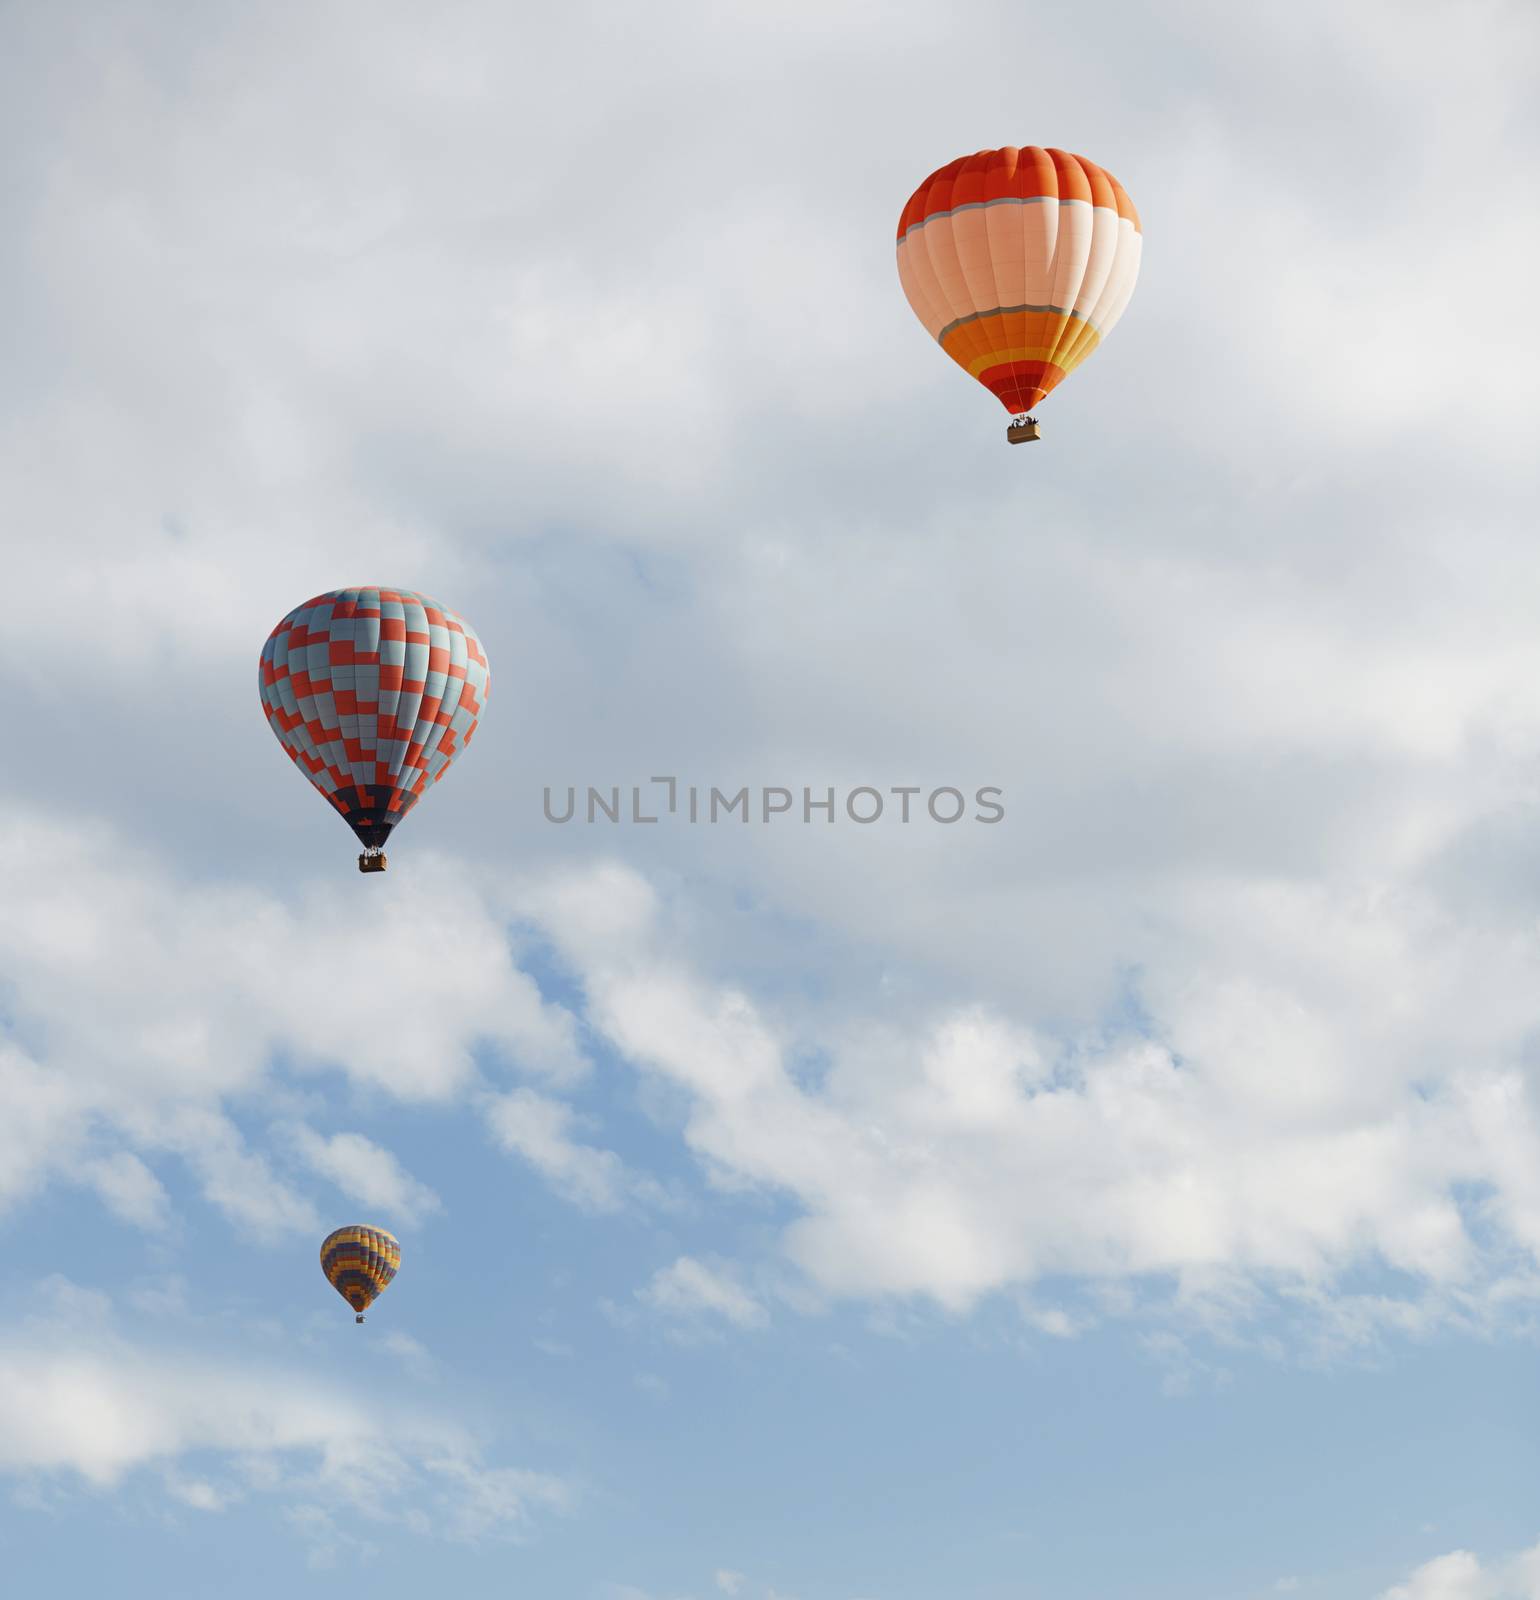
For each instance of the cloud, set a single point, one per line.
(958, 1157)
(46, 1133)
(196, 995)
(129, 1188)
(412, 1354)
(1361, 292)
(1261, 1131)
(85, 1404)
(234, 1180)
(40, 1126)
(1460, 1575)
(197, 1493)
(366, 1173)
(304, 976)
(494, 1500)
(536, 1127)
(689, 1288)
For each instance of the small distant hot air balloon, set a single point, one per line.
(373, 693)
(359, 1263)
(1019, 262)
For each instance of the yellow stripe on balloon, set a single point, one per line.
(998, 358)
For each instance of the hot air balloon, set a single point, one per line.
(373, 693)
(359, 1262)
(1019, 262)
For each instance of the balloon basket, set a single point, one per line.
(1023, 432)
(371, 861)
(359, 1317)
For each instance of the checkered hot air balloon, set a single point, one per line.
(373, 693)
(1019, 262)
(359, 1262)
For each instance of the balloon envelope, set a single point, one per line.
(373, 693)
(1019, 262)
(359, 1262)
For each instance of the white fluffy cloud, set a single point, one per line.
(538, 1127)
(194, 993)
(1460, 1575)
(193, 988)
(39, 1123)
(1305, 1095)
(366, 1173)
(1252, 1141)
(691, 1288)
(77, 1401)
(129, 1188)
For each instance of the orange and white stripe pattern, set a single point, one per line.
(373, 693)
(1019, 262)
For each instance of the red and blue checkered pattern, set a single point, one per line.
(373, 693)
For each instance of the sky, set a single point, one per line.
(1136, 1197)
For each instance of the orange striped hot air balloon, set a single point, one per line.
(1019, 262)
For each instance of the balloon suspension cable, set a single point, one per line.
(1023, 429)
(373, 859)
